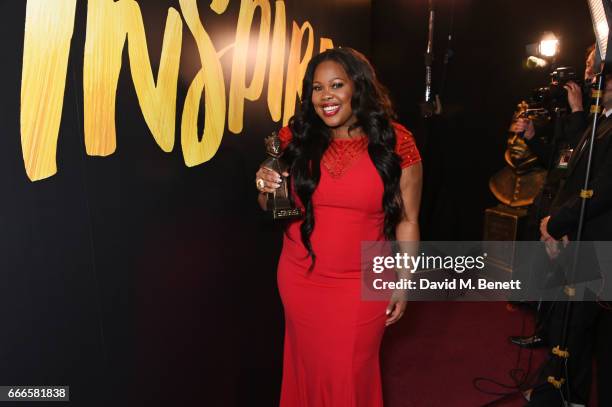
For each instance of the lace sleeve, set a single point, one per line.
(405, 146)
(285, 137)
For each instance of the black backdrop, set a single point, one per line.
(139, 281)
(485, 81)
(132, 278)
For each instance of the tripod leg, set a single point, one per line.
(580, 340)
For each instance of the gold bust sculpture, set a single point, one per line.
(518, 183)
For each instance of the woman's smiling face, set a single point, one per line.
(332, 92)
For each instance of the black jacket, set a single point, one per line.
(570, 129)
(565, 209)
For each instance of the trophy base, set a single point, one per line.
(288, 213)
(503, 224)
(281, 207)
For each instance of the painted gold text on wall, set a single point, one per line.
(114, 25)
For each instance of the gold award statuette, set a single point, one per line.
(278, 201)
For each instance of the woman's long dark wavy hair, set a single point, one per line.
(311, 137)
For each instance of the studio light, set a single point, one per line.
(601, 14)
(549, 45)
(543, 53)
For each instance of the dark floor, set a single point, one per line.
(432, 356)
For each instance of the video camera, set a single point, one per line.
(554, 95)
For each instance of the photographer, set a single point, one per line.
(570, 126)
(585, 332)
(553, 147)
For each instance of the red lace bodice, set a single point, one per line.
(341, 153)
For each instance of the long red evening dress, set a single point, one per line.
(332, 337)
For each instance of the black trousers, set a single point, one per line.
(589, 337)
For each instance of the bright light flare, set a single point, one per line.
(603, 29)
(601, 13)
(549, 46)
(534, 62)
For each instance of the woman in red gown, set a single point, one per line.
(357, 176)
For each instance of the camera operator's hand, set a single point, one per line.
(574, 96)
(552, 248)
(544, 230)
(524, 126)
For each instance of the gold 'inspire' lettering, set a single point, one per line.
(108, 23)
(210, 77)
(46, 47)
(49, 28)
(239, 91)
(296, 68)
(277, 63)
